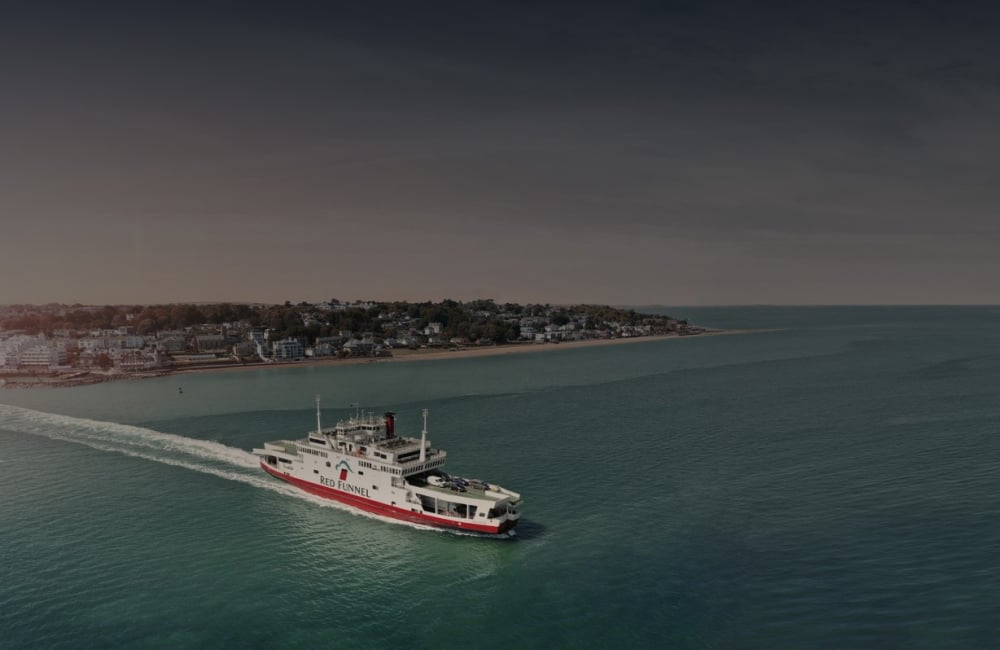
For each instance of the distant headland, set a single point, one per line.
(67, 345)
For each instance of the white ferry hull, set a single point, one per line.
(362, 463)
(386, 509)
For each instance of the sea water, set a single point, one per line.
(831, 483)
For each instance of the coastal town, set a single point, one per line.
(57, 345)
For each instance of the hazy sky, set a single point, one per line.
(662, 152)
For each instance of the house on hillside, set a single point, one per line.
(288, 349)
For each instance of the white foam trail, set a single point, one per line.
(83, 430)
(203, 456)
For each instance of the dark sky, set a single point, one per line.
(667, 152)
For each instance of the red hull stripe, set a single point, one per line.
(379, 508)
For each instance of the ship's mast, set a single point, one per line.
(423, 438)
(319, 427)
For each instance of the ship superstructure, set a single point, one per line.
(363, 463)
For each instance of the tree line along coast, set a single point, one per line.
(56, 344)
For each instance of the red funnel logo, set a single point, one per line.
(344, 468)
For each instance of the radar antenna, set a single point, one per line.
(423, 439)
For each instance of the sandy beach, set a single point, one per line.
(435, 354)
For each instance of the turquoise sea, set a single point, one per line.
(834, 483)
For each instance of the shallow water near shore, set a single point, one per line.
(831, 484)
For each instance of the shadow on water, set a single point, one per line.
(529, 530)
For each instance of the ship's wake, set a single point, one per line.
(205, 456)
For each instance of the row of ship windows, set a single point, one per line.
(369, 465)
(381, 468)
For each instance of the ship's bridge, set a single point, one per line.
(370, 436)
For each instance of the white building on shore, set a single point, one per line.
(288, 349)
(31, 352)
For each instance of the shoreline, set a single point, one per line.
(82, 378)
(437, 354)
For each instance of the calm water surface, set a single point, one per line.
(832, 484)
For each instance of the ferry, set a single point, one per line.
(362, 462)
